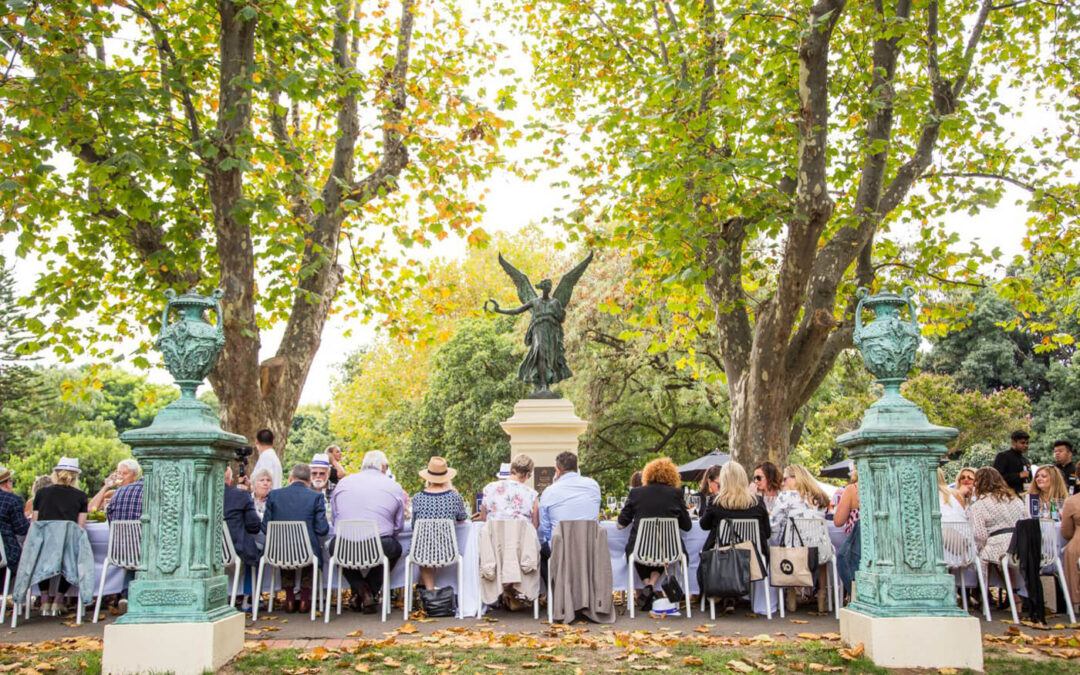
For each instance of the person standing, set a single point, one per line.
(370, 494)
(1063, 460)
(337, 472)
(13, 521)
(1013, 466)
(268, 459)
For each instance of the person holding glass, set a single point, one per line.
(709, 486)
(1049, 489)
(965, 486)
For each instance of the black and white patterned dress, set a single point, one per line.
(438, 505)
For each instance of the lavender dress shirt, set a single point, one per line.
(370, 495)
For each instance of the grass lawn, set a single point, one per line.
(561, 649)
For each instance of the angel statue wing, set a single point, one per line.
(525, 289)
(566, 285)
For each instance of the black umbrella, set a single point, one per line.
(692, 471)
(841, 469)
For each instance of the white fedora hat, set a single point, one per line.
(320, 459)
(68, 464)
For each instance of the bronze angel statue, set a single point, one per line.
(545, 362)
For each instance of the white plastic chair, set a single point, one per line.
(958, 541)
(434, 544)
(357, 546)
(815, 532)
(229, 558)
(536, 600)
(7, 582)
(658, 544)
(125, 539)
(746, 529)
(287, 547)
(1051, 557)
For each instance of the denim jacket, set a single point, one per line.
(57, 547)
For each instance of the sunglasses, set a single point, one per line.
(758, 478)
(967, 479)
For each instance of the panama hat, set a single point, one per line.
(5, 473)
(320, 459)
(504, 470)
(437, 471)
(68, 464)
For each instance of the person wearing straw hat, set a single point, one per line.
(62, 500)
(438, 499)
(13, 522)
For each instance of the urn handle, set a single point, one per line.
(171, 295)
(909, 295)
(216, 296)
(862, 293)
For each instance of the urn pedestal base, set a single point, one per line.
(915, 641)
(180, 648)
(542, 428)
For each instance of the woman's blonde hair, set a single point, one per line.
(661, 470)
(1057, 489)
(733, 493)
(807, 487)
(947, 494)
(65, 477)
(522, 465)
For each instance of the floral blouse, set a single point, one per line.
(509, 499)
(790, 505)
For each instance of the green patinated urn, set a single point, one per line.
(897, 451)
(183, 454)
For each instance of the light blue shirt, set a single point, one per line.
(571, 497)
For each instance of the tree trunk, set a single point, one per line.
(760, 428)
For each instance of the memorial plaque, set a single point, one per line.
(543, 476)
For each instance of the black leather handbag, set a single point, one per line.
(672, 590)
(439, 602)
(725, 569)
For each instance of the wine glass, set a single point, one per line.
(612, 503)
(695, 503)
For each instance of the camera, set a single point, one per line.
(241, 460)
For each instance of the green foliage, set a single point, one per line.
(20, 387)
(641, 402)
(310, 434)
(473, 387)
(984, 420)
(95, 444)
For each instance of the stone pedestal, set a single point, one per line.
(915, 641)
(542, 428)
(182, 648)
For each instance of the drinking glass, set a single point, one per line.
(612, 503)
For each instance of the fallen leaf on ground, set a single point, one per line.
(530, 664)
(948, 671)
(408, 629)
(391, 663)
(10, 666)
(798, 621)
(361, 667)
(740, 666)
(853, 653)
(702, 629)
(355, 633)
(809, 636)
(692, 661)
(494, 666)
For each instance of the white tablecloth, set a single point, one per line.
(694, 541)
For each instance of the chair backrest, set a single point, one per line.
(357, 544)
(3, 557)
(1051, 549)
(228, 550)
(125, 539)
(658, 541)
(287, 544)
(958, 542)
(814, 532)
(746, 529)
(434, 542)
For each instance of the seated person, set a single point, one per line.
(298, 502)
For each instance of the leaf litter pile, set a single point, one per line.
(573, 649)
(33, 658)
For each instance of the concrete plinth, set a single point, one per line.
(542, 428)
(915, 641)
(180, 648)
